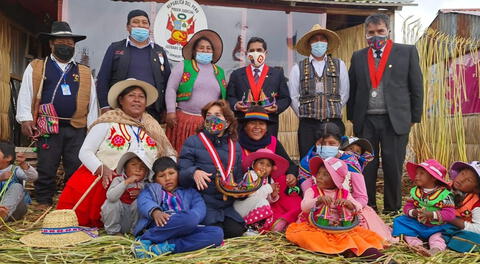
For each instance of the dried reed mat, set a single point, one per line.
(272, 248)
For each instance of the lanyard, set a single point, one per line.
(64, 73)
(216, 158)
(256, 88)
(377, 73)
(137, 134)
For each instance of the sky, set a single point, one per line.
(427, 11)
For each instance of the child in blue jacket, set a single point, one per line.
(170, 216)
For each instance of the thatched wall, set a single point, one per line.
(5, 29)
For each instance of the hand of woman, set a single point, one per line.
(171, 120)
(201, 178)
(107, 175)
(160, 217)
(291, 180)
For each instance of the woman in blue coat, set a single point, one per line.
(214, 151)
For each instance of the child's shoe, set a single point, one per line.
(140, 248)
(162, 248)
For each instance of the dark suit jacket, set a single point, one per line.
(275, 82)
(403, 88)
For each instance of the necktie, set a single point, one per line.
(378, 53)
(256, 75)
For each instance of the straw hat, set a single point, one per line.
(117, 89)
(60, 228)
(333, 40)
(146, 159)
(215, 39)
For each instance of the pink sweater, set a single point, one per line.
(205, 89)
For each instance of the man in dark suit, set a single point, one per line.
(386, 99)
(137, 57)
(258, 84)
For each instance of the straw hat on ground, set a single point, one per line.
(117, 89)
(333, 40)
(215, 39)
(60, 228)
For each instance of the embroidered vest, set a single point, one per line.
(190, 73)
(432, 202)
(466, 208)
(79, 118)
(120, 140)
(323, 105)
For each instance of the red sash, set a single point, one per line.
(216, 158)
(376, 74)
(256, 88)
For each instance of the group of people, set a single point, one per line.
(219, 170)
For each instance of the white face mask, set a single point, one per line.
(256, 58)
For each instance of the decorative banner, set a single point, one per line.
(175, 24)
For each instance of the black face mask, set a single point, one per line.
(63, 52)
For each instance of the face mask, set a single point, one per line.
(204, 58)
(327, 151)
(63, 52)
(256, 58)
(377, 42)
(319, 48)
(215, 125)
(140, 34)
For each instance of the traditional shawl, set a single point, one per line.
(147, 122)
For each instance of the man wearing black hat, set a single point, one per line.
(56, 102)
(137, 57)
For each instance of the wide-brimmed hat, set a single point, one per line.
(337, 169)
(61, 29)
(59, 229)
(256, 112)
(215, 39)
(433, 168)
(303, 47)
(147, 160)
(362, 142)
(280, 162)
(117, 89)
(458, 166)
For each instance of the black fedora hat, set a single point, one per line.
(61, 29)
(256, 112)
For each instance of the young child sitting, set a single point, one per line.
(464, 233)
(427, 210)
(119, 211)
(357, 153)
(13, 198)
(170, 216)
(329, 193)
(270, 208)
(327, 145)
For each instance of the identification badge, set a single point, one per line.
(374, 94)
(66, 89)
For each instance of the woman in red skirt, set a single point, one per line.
(126, 128)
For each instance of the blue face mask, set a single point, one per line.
(327, 151)
(140, 34)
(319, 48)
(204, 58)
